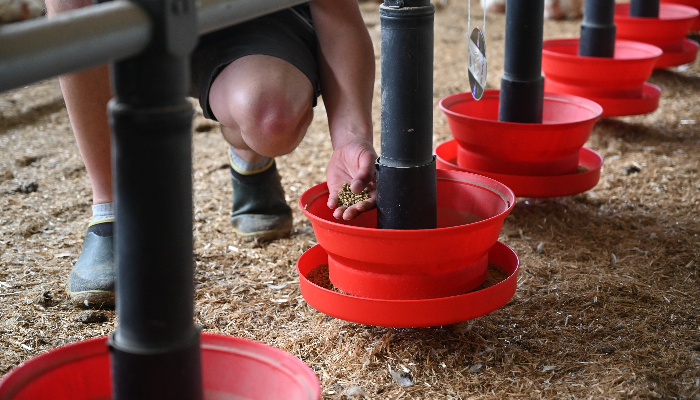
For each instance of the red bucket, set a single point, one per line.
(622, 75)
(410, 313)
(549, 148)
(232, 368)
(586, 178)
(414, 264)
(667, 31)
(690, 3)
(616, 83)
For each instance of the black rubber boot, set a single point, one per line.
(259, 209)
(91, 282)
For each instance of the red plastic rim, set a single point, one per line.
(535, 186)
(647, 101)
(690, 3)
(617, 84)
(551, 147)
(667, 31)
(598, 77)
(685, 55)
(232, 368)
(410, 313)
(414, 264)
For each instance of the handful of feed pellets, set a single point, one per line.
(347, 198)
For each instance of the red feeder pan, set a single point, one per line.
(414, 264)
(409, 313)
(489, 146)
(586, 178)
(667, 32)
(232, 368)
(617, 84)
(690, 3)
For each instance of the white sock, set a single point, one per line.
(244, 167)
(102, 212)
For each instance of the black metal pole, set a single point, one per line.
(598, 29)
(522, 83)
(154, 352)
(406, 169)
(644, 8)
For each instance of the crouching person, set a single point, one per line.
(260, 80)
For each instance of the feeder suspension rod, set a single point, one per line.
(598, 29)
(522, 85)
(644, 8)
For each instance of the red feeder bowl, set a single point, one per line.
(409, 313)
(667, 32)
(414, 264)
(690, 3)
(586, 178)
(489, 146)
(232, 368)
(617, 84)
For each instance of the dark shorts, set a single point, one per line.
(287, 34)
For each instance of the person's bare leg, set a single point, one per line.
(86, 93)
(265, 106)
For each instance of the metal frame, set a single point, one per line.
(43, 48)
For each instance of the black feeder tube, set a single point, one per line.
(406, 169)
(644, 8)
(522, 84)
(598, 29)
(155, 352)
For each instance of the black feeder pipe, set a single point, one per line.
(644, 8)
(406, 169)
(598, 29)
(522, 83)
(155, 352)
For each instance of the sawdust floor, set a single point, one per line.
(607, 308)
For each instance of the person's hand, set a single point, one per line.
(352, 163)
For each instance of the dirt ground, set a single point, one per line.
(607, 302)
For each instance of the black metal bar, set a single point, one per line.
(406, 169)
(598, 29)
(644, 8)
(155, 349)
(42, 48)
(522, 83)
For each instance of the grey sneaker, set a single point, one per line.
(91, 282)
(259, 209)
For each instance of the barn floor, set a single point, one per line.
(608, 293)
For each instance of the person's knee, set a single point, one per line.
(270, 125)
(280, 127)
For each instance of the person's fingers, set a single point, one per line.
(351, 213)
(339, 212)
(366, 170)
(332, 200)
(357, 209)
(357, 186)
